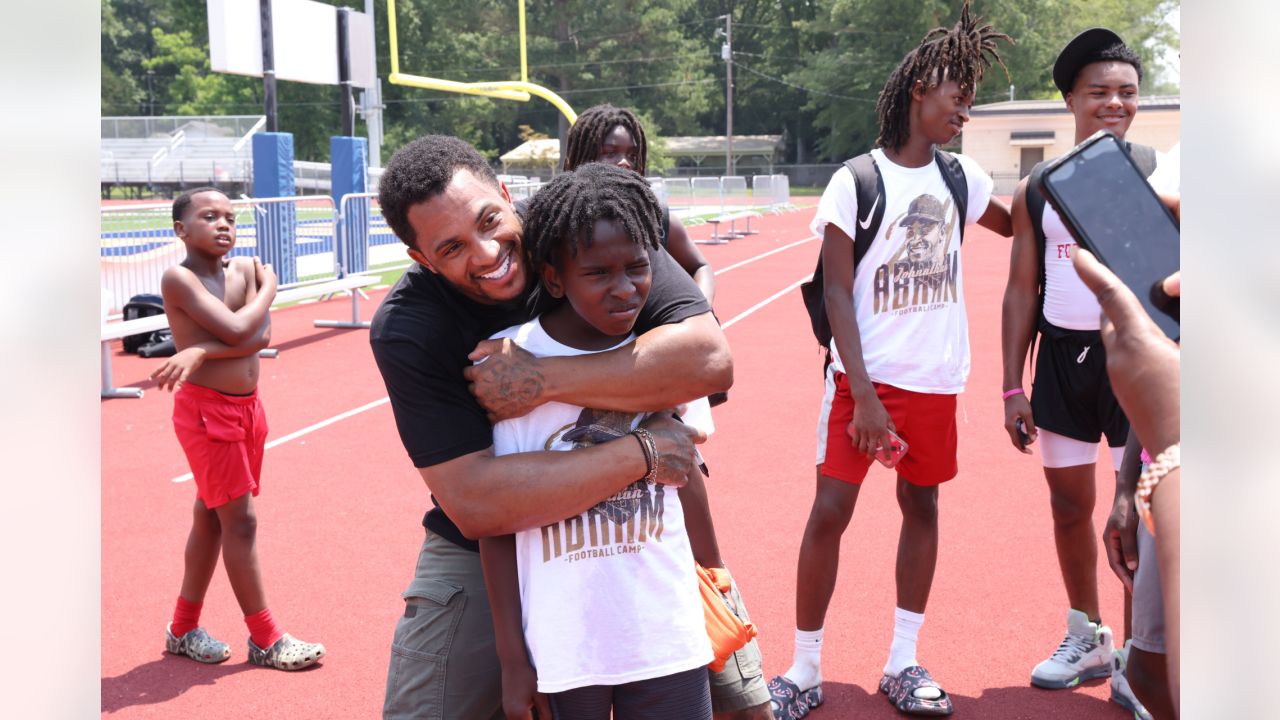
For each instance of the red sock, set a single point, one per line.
(186, 616)
(263, 629)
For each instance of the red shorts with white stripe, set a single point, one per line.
(223, 437)
(925, 421)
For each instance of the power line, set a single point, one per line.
(803, 88)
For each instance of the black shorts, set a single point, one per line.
(1071, 394)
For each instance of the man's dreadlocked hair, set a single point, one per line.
(562, 215)
(593, 126)
(962, 53)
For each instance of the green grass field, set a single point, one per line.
(122, 221)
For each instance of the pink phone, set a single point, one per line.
(889, 456)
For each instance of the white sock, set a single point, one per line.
(806, 671)
(902, 653)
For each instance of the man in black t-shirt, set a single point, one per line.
(441, 198)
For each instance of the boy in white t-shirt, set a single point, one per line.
(601, 610)
(900, 352)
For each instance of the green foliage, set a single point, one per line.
(807, 69)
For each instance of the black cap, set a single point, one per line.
(1082, 50)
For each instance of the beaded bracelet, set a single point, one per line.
(650, 449)
(1164, 463)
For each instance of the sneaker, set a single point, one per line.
(286, 654)
(1085, 654)
(1121, 694)
(197, 645)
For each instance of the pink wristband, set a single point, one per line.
(1010, 393)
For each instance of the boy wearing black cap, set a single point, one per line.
(1072, 405)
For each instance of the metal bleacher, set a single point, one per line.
(172, 152)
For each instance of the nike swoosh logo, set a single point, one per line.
(1081, 356)
(864, 224)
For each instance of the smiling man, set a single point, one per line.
(1072, 406)
(470, 280)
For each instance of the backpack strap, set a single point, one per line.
(1035, 209)
(869, 186)
(1144, 156)
(869, 191)
(957, 183)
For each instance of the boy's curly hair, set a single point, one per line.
(562, 215)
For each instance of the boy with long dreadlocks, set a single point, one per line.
(900, 351)
(601, 609)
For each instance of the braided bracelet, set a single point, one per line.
(1165, 463)
(650, 449)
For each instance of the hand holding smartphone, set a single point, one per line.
(1023, 438)
(1111, 211)
(890, 455)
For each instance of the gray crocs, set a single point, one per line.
(287, 653)
(197, 645)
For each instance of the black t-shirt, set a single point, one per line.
(421, 336)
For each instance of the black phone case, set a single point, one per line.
(1071, 221)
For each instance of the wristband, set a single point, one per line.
(1010, 393)
(1165, 463)
(650, 449)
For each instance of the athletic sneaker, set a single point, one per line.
(1121, 694)
(1085, 654)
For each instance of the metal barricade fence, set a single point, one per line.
(706, 195)
(367, 243)
(781, 191)
(659, 189)
(137, 243)
(522, 188)
(679, 194)
(733, 190)
(762, 194)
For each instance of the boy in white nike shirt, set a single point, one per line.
(900, 352)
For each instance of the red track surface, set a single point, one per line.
(340, 510)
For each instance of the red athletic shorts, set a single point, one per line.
(223, 437)
(925, 421)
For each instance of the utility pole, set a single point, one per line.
(726, 52)
(371, 98)
(268, 67)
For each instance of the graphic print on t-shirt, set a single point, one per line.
(921, 275)
(620, 524)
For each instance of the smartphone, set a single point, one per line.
(889, 456)
(1111, 211)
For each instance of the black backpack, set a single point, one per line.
(1143, 156)
(870, 191)
(150, 344)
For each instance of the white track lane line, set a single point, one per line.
(310, 429)
(343, 416)
(743, 315)
(748, 261)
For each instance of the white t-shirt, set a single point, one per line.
(1068, 302)
(908, 291)
(609, 596)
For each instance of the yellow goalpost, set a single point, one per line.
(518, 90)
